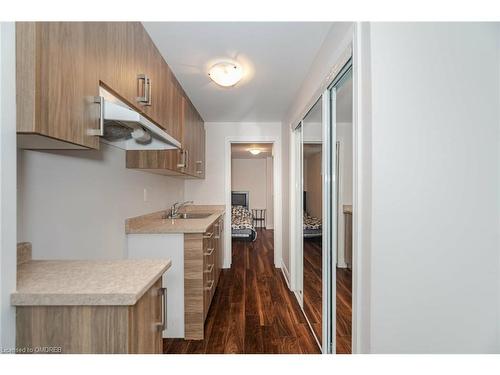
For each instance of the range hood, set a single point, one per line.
(123, 127)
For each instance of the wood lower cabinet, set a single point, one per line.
(202, 267)
(93, 329)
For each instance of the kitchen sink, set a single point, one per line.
(191, 215)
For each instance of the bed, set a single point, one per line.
(241, 217)
(311, 224)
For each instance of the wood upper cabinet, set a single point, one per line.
(193, 141)
(200, 147)
(134, 70)
(60, 66)
(189, 137)
(56, 81)
(114, 43)
(189, 162)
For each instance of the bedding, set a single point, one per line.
(312, 226)
(242, 223)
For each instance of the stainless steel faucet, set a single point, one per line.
(174, 210)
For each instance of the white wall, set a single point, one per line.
(212, 189)
(269, 194)
(250, 175)
(435, 119)
(74, 203)
(255, 176)
(7, 184)
(286, 170)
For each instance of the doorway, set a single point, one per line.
(252, 196)
(275, 144)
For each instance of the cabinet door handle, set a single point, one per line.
(149, 101)
(200, 163)
(211, 283)
(163, 325)
(209, 268)
(208, 235)
(98, 132)
(146, 89)
(209, 252)
(183, 162)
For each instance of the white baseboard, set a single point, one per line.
(286, 274)
(271, 227)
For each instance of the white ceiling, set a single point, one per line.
(240, 150)
(276, 57)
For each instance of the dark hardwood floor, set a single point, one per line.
(253, 311)
(312, 283)
(344, 310)
(313, 295)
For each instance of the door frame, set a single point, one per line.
(277, 197)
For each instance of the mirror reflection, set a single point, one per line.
(312, 167)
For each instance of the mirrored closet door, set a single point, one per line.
(317, 153)
(312, 217)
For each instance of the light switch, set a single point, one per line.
(145, 195)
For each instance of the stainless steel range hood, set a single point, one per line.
(123, 127)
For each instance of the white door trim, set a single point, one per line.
(277, 201)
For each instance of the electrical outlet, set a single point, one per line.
(145, 195)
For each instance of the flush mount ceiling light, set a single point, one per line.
(226, 73)
(255, 151)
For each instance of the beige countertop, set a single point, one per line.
(85, 282)
(155, 223)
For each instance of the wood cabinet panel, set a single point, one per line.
(116, 45)
(56, 82)
(202, 268)
(194, 317)
(60, 66)
(93, 329)
(145, 329)
(200, 147)
(159, 162)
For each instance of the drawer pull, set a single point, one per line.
(184, 160)
(208, 235)
(163, 324)
(209, 268)
(98, 132)
(146, 90)
(209, 252)
(211, 283)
